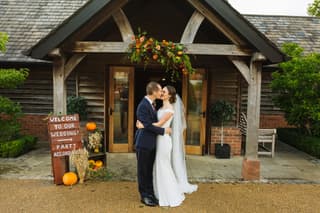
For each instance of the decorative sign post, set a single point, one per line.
(64, 133)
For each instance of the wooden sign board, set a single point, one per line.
(64, 134)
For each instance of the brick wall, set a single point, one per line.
(35, 125)
(273, 121)
(232, 136)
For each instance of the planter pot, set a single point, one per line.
(222, 152)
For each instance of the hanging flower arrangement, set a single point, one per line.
(172, 56)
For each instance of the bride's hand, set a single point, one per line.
(139, 125)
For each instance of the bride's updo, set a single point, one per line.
(172, 92)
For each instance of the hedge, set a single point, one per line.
(305, 143)
(15, 148)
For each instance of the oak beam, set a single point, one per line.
(242, 67)
(72, 63)
(59, 85)
(251, 163)
(122, 47)
(124, 25)
(192, 28)
(217, 22)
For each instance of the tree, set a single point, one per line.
(314, 8)
(9, 110)
(298, 89)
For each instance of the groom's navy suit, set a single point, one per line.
(145, 142)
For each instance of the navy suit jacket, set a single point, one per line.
(146, 138)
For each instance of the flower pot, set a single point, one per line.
(222, 151)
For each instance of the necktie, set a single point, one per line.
(153, 105)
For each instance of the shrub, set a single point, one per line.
(77, 105)
(297, 88)
(17, 147)
(296, 138)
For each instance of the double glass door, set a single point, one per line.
(121, 109)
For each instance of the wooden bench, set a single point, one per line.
(266, 137)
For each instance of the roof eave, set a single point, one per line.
(66, 29)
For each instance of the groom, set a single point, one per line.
(145, 142)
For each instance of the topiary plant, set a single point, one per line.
(220, 112)
(77, 105)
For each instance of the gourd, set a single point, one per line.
(99, 164)
(91, 126)
(69, 178)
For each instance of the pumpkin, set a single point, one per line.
(69, 178)
(99, 163)
(91, 126)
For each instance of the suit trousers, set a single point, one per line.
(145, 161)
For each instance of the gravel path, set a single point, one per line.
(43, 196)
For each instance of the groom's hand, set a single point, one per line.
(168, 131)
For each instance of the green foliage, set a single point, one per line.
(294, 137)
(102, 174)
(314, 8)
(221, 111)
(77, 105)
(11, 78)
(297, 86)
(17, 147)
(3, 41)
(9, 112)
(145, 49)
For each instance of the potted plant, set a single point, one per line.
(220, 112)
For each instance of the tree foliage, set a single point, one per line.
(3, 41)
(314, 8)
(9, 110)
(298, 89)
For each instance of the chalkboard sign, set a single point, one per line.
(64, 134)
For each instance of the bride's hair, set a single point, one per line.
(172, 93)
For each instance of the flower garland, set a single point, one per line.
(170, 55)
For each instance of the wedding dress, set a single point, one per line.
(170, 180)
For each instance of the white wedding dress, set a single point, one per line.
(170, 179)
(166, 187)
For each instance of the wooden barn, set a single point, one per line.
(80, 48)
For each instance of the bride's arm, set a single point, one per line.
(163, 120)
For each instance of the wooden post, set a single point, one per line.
(251, 164)
(59, 84)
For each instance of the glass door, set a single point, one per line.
(195, 100)
(120, 110)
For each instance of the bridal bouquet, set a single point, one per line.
(95, 140)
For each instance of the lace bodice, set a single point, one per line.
(162, 112)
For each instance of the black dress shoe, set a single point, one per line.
(154, 199)
(148, 201)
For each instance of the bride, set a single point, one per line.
(170, 180)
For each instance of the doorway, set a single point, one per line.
(127, 88)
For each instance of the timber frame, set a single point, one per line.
(249, 51)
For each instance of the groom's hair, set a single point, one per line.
(152, 87)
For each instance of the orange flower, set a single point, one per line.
(142, 39)
(155, 57)
(158, 47)
(180, 52)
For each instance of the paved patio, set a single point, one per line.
(288, 165)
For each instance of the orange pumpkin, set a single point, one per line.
(91, 126)
(99, 163)
(69, 178)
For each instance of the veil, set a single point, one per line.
(178, 152)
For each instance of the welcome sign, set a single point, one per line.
(64, 134)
